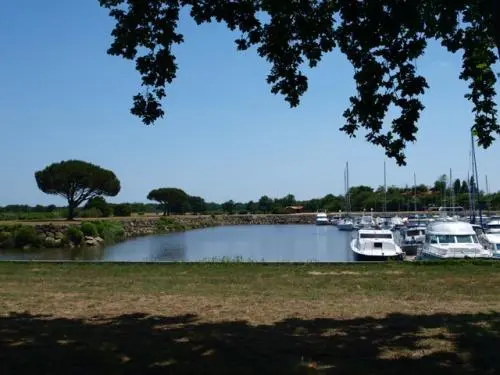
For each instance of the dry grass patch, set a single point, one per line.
(249, 319)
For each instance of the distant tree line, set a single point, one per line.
(84, 186)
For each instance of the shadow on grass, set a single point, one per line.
(141, 344)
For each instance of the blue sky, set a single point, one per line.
(225, 136)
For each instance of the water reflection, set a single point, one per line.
(171, 247)
(267, 243)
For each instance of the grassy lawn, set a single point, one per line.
(235, 318)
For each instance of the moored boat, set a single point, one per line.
(452, 240)
(397, 222)
(345, 224)
(412, 238)
(493, 244)
(375, 244)
(493, 225)
(322, 219)
(366, 221)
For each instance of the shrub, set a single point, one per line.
(110, 231)
(243, 212)
(6, 240)
(89, 229)
(26, 235)
(74, 234)
(166, 224)
(91, 212)
(100, 204)
(122, 210)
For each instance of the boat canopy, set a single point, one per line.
(451, 227)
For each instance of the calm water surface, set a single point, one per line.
(262, 243)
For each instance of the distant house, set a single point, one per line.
(294, 209)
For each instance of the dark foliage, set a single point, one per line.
(197, 205)
(172, 200)
(100, 204)
(122, 210)
(381, 38)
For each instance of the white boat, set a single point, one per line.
(375, 244)
(452, 240)
(397, 222)
(322, 219)
(493, 225)
(385, 223)
(345, 224)
(366, 221)
(412, 238)
(493, 244)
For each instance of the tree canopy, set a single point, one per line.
(381, 39)
(77, 181)
(197, 205)
(173, 200)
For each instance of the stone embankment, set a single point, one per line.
(147, 226)
(62, 234)
(51, 235)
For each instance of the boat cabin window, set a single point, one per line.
(464, 238)
(498, 246)
(446, 238)
(493, 226)
(377, 235)
(413, 232)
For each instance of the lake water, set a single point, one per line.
(262, 243)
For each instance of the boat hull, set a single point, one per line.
(374, 258)
(320, 222)
(424, 255)
(411, 249)
(361, 257)
(345, 227)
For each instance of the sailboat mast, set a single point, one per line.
(452, 196)
(385, 191)
(415, 191)
(346, 206)
(345, 186)
(471, 200)
(346, 183)
(476, 179)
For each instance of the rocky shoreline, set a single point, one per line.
(91, 233)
